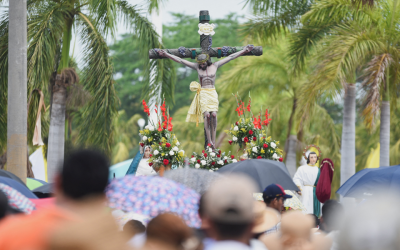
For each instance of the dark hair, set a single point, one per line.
(268, 200)
(209, 62)
(332, 214)
(308, 157)
(316, 220)
(84, 173)
(135, 226)
(201, 206)
(229, 231)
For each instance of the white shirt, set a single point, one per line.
(144, 169)
(235, 245)
(305, 178)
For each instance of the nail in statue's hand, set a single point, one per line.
(161, 52)
(249, 47)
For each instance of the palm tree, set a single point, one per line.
(270, 80)
(50, 27)
(364, 37)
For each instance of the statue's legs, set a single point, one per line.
(207, 127)
(213, 127)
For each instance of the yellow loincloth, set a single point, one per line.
(204, 100)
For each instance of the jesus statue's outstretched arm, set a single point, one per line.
(177, 59)
(229, 58)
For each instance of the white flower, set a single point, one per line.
(203, 162)
(273, 145)
(193, 159)
(211, 170)
(235, 128)
(156, 152)
(234, 138)
(234, 160)
(226, 157)
(254, 149)
(220, 162)
(177, 143)
(144, 138)
(147, 127)
(160, 147)
(275, 156)
(183, 151)
(206, 29)
(175, 149)
(210, 150)
(151, 128)
(171, 152)
(197, 165)
(212, 154)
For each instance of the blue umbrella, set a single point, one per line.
(18, 186)
(368, 182)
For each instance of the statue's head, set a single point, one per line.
(204, 61)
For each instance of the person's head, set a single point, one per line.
(84, 174)
(134, 227)
(203, 61)
(274, 196)
(312, 158)
(264, 218)
(147, 152)
(228, 207)
(5, 208)
(169, 229)
(332, 215)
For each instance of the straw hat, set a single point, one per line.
(264, 217)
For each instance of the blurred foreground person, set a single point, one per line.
(169, 232)
(228, 211)
(79, 193)
(5, 208)
(136, 231)
(331, 220)
(296, 234)
(373, 225)
(264, 218)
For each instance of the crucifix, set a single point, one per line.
(204, 107)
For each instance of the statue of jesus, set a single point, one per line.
(204, 107)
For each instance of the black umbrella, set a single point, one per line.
(44, 191)
(263, 172)
(10, 175)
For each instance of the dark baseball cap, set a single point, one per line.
(275, 190)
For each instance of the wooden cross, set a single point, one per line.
(204, 18)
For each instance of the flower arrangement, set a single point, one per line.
(211, 159)
(152, 133)
(249, 132)
(159, 136)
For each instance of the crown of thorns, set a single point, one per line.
(199, 61)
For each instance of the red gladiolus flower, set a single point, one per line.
(168, 145)
(213, 163)
(146, 108)
(265, 145)
(198, 161)
(254, 138)
(205, 154)
(267, 119)
(142, 144)
(150, 164)
(165, 161)
(232, 157)
(259, 157)
(257, 122)
(209, 145)
(218, 155)
(249, 105)
(246, 139)
(281, 159)
(250, 132)
(230, 142)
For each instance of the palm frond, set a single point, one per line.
(3, 78)
(98, 115)
(154, 5)
(160, 74)
(374, 77)
(273, 7)
(341, 54)
(104, 14)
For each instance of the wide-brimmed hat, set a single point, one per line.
(264, 217)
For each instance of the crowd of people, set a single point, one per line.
(231, 219)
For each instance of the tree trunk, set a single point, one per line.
(17, 89)
(384, 156)
(291, 155)
(55, 152)
(348, 148)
